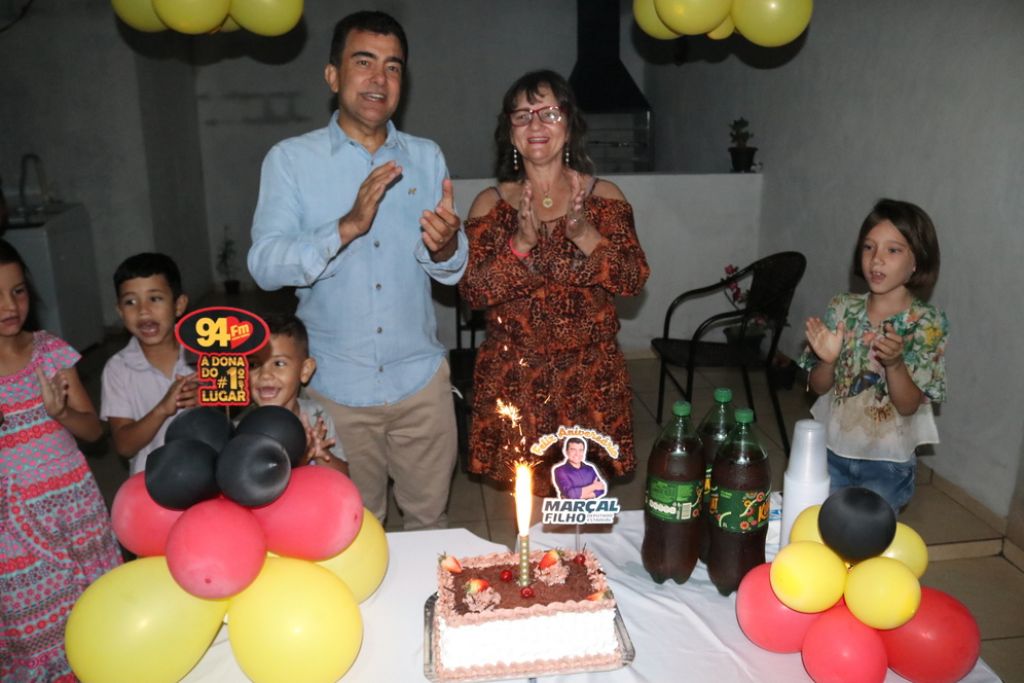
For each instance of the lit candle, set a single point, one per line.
(524, 505)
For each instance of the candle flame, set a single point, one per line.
(524, 497)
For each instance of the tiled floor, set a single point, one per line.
(965, 550)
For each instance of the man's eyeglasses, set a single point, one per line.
(522, 117)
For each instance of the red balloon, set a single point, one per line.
(317, 516)
(140, 524)
(216, 549)
(839, 648)
(767, 622)
(940, 644)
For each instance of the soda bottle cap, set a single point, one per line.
(723, 395)
(681, 408)
(744, 415)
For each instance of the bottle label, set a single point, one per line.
(674, 501)
(741, 512)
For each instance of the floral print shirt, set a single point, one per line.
(860, 418)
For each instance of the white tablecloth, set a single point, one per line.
(681, 633)
(687, 632)
(392, 649)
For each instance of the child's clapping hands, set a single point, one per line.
(888, 347)
(824, 342)
(55, 392)
(318, 446)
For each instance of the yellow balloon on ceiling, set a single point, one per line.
(771, 23)
(692, 17)
(648, 21)
(192, 16)
(138, 14)
(267, 17)
(724, 30)
(229, 26)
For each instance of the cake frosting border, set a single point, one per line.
(445, 609)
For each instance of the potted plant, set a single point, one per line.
(742, 155)
(226, 264)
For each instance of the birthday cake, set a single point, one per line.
(487, 626)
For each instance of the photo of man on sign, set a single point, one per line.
(574, 477)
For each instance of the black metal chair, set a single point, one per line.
(773, 280)
(462, 361)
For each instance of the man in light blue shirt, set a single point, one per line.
(359, 217)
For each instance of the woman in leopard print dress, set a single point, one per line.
(550, 248)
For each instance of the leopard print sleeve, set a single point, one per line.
(618, 264)
(494, 274)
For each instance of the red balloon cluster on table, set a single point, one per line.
(845, 594)
(208, 517)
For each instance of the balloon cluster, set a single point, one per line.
(221, 531)
(263, 17)
(845, 594)
(768, 23)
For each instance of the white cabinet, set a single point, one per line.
(59, 253)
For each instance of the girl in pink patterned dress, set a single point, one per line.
(55, 535)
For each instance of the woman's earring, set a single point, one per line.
(566, 155)
(515, 159)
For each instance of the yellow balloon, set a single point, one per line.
(295, 622)
(882, 592)
(648, 21)
(192, 16)
(135, 623)
(724, 30)
(229, 26)
(138, 14)
(909, 548)
(808, 576)
(267, 17)
(771, 23)
(364, 562)
(805, 526)
(692, 17)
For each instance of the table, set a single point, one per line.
(685, 633)
(688, 628)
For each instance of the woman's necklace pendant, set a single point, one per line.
(547, 202)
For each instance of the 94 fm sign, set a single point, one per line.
(222, 338)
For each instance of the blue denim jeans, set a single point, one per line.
(893, 481)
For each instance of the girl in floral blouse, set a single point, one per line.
(878, 358)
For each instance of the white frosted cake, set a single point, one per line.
(486, 626)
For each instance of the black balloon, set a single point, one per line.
(209, 425)
(857, 523)
(253, 469)
(279, 424)
(182, 473)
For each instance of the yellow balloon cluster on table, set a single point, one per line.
(196, 17)
(883, 591)
(299, 620)
(844, 593)
(768, 23)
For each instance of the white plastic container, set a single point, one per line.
(806, 480)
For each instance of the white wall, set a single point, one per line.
(919, 101)
(690, 227)
(111, 112)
